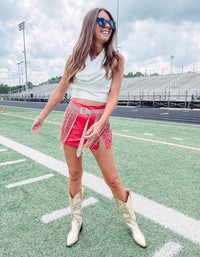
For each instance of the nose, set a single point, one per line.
(107, 25)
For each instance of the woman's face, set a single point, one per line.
(102, 34)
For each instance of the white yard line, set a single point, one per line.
(12, 162)
(66, 211)
(148, 134)
(30, 180)
(176, 138)
(3, 150)
(167, 217)
(168, 250)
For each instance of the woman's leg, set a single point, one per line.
(75, 169)
(122, 197)
(75, 192)
(105, 160)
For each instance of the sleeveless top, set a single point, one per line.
(91, 83)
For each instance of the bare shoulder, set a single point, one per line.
(121, 57)
(119, 60)
(118, 63)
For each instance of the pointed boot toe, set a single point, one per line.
(76, 218)
(129, 216)
(138, 237)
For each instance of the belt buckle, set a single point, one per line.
(85, 111)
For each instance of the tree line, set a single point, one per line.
(137, 74)
(5, 89)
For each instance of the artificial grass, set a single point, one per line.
(166, 174)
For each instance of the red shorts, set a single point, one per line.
(75, 122)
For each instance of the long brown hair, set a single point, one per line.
(84, 45)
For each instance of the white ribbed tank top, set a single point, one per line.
(91, 82)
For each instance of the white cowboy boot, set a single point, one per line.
(76, 218)
(129, 216)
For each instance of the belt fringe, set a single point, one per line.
(69, 119)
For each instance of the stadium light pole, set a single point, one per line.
(9, 77)
(22, 27)
(19, 72)
(117, 24)
(117, 28)
(22, 73)
(171, 67)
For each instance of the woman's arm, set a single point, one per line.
(112, 100)
(54, 100)
(114, 92)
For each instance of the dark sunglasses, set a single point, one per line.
(102, 23)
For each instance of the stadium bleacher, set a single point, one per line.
(175, 83)
(175, 89)
(135, 90)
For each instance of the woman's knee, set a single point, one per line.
(75, 175)
(113, 181)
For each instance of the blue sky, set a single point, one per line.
(149, 33)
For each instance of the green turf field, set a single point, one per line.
(160, 161)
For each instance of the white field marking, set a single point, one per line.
(3, 150)
(176, 138)
(125, 130)
(168, 250)
(148, 134)
(169, 218)
(26, 108)
(113, 117)
(63, 212)
(30, 180)
(12, 162)
(156, 141)
(29, 118)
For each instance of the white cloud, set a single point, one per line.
(149, 33)
(151, 43)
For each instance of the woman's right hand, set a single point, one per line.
(37, 125)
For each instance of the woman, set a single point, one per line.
(95, 72)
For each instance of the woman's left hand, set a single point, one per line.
(94, 131)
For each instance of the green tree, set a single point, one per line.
(138, 74)
(4, 89)
(154, 74)
(129, 75)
